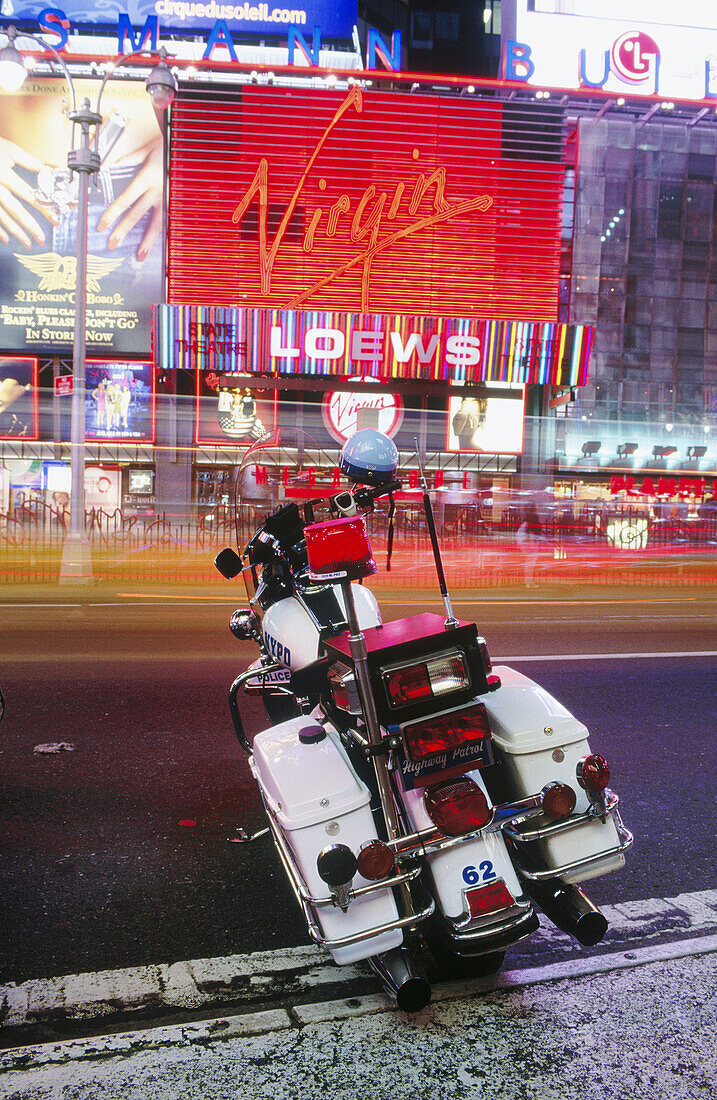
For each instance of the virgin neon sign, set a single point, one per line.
(344, 413)
(365, 221)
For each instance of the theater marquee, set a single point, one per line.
(388, 347)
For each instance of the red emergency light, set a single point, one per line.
(339, 550)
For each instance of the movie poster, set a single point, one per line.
(486, 425)
(18, 399)
(38, 220)
(231, 413)
(119, 401)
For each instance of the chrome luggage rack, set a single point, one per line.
(516, 832)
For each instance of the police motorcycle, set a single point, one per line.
(423, 803)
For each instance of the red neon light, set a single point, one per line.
(367, 201)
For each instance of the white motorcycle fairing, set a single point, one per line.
(292, 636)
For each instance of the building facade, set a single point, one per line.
(507, 245)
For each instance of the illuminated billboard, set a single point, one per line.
(119, 401)
(335, 17)
(228, 413)
(18, 399)
(364, 201)
(644, 47)
(38, 221)
(486, 425)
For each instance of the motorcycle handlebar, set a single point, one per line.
(365, 495)
(265, 547)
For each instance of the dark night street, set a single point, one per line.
(120, 852)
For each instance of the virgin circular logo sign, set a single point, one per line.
(345, 413)
(634, 56)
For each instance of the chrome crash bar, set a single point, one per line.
(310, 904)
(625, 837)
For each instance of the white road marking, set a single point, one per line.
(201, 983)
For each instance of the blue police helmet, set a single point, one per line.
(369, 457)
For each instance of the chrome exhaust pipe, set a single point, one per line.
(569, 909)
(403, 978)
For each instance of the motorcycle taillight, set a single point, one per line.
(446, 731)
(339, 550)
(490, 898)
(406, 684)
(457, 807)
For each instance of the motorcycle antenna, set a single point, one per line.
(451, 620)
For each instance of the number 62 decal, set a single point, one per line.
(483, 873)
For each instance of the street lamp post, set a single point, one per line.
(83, 159)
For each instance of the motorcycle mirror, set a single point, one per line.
(228, 563)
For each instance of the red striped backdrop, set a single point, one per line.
(441, 207)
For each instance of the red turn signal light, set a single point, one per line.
(457, 807)
(558, 800)
(375, 860)
(593, 773)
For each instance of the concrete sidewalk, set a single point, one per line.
(629, 1033)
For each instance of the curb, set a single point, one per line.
(221, 1029)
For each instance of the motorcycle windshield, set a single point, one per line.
(286, 466)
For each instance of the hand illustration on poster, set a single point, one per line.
(228, 411)
(18, 399)
(38, 220)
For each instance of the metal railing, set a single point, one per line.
(616, 545)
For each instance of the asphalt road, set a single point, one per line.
(121, 852)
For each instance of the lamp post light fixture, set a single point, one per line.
(83, 159)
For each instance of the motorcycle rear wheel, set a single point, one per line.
(453, 966)
(479, 966)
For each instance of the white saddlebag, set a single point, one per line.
(538, 741)
(316, 800)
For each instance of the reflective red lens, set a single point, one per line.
(408, 685)
(489, 899)
(558, 800)
(593, 773)
(339, 546)
(375, 860)
(446, 732)
(457, 807)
